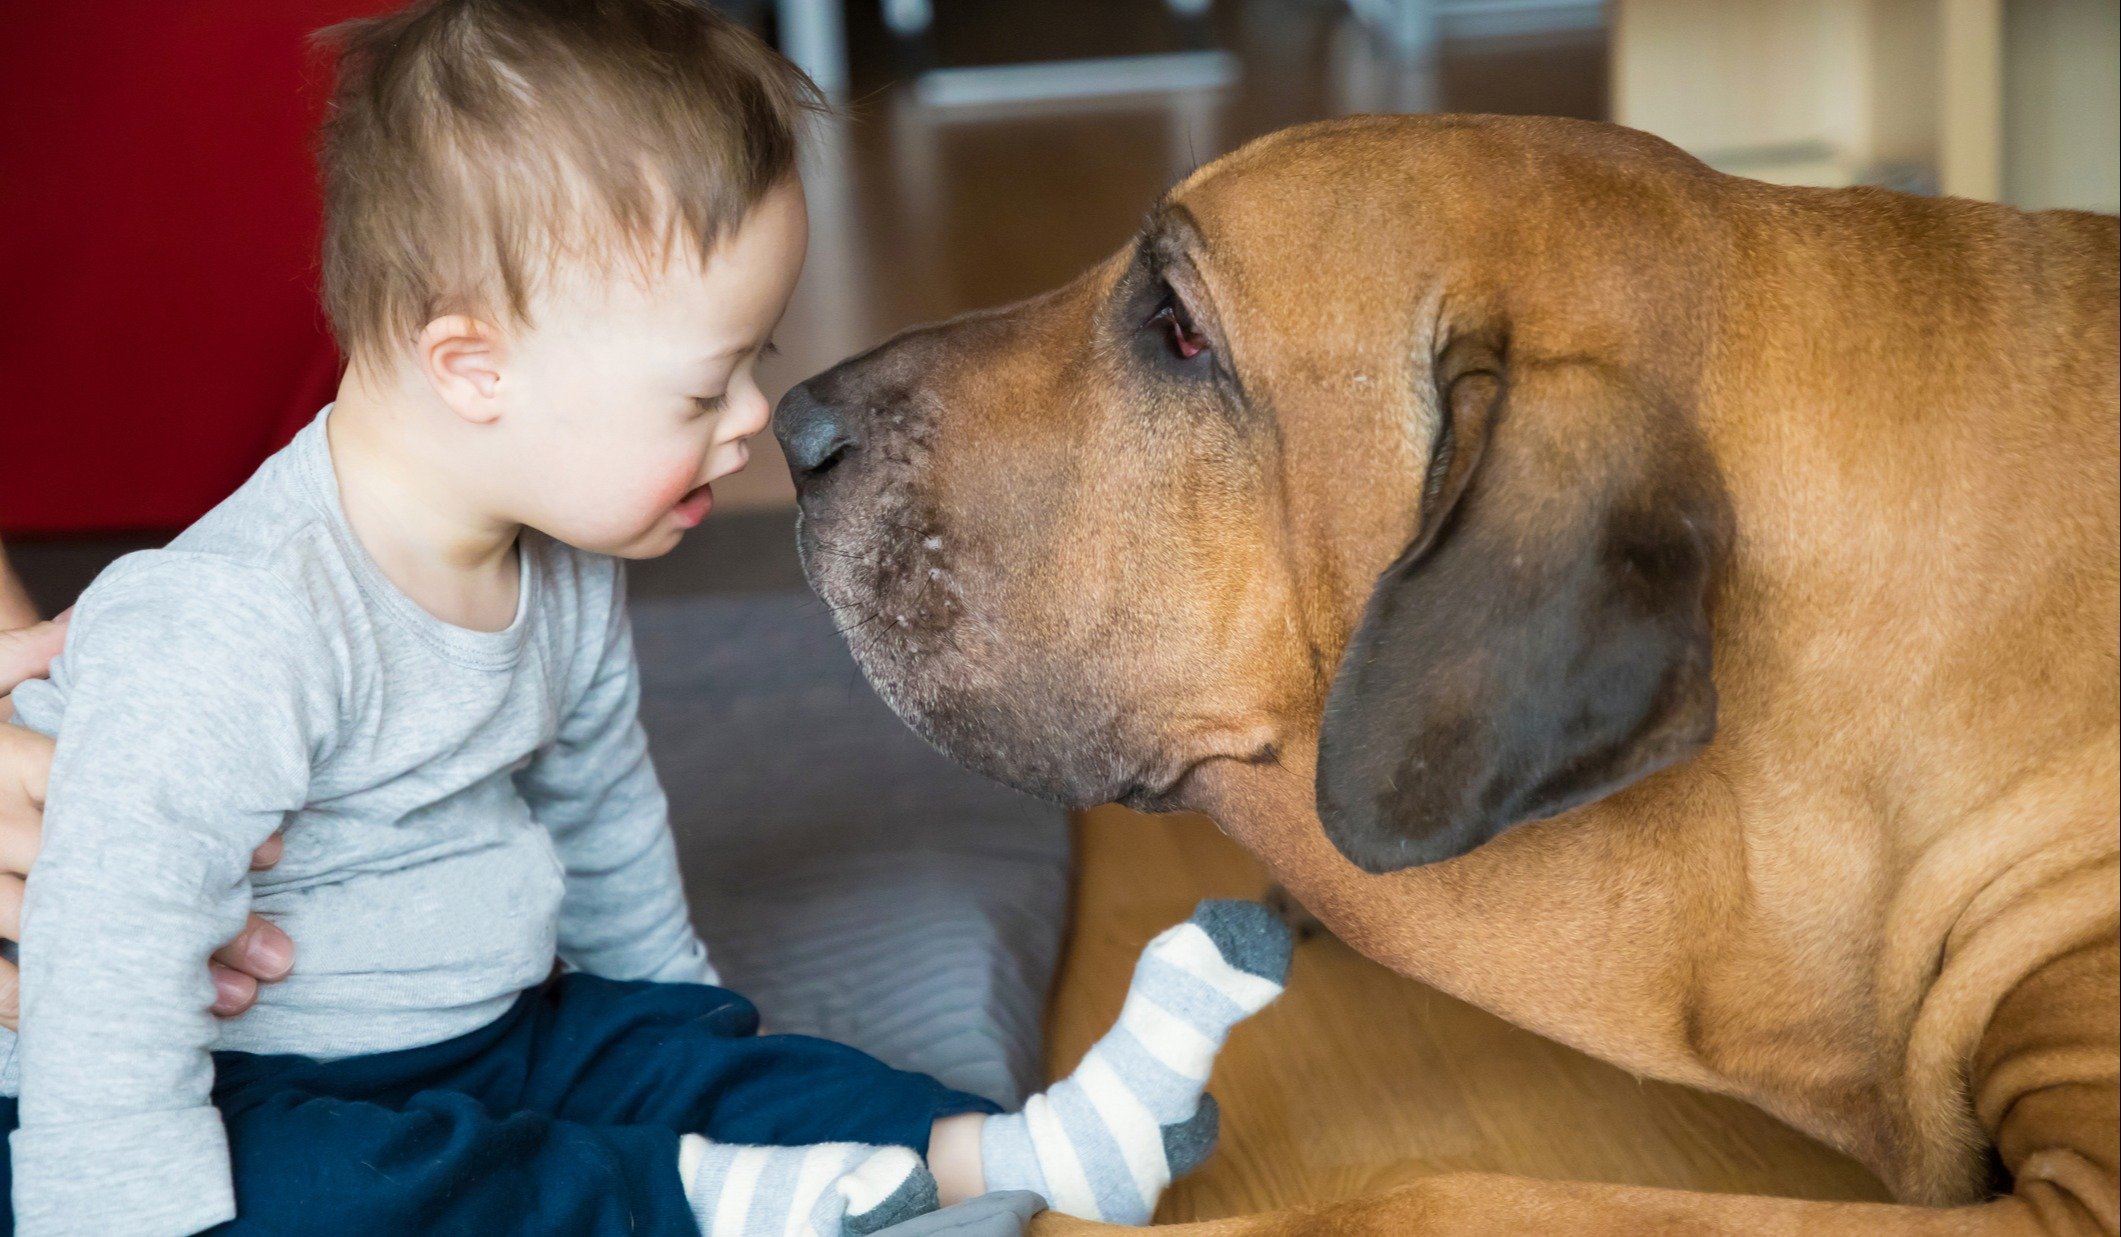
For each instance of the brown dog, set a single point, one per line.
(1390, 499)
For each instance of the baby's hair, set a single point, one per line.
(471, 144)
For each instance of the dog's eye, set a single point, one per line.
(1176, 325)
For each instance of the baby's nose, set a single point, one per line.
(749, 418)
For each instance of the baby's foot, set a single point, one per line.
(827, 1189)
(1103, 1143)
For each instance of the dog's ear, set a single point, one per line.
(1543, 640)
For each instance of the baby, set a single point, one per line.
(558, 236)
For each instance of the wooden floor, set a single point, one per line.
(1358, 1079)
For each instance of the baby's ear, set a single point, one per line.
(461, 356)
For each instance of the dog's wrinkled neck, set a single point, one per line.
(1271, 810)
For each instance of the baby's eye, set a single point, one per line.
(710, 403)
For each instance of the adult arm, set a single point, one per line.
(16, 609)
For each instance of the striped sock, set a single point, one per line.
(1103, 1143)
(824, 1190)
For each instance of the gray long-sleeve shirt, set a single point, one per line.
(457, 806)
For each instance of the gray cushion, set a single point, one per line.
(845, 876)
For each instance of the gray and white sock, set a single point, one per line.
(1104, 1142)
(823, 1190)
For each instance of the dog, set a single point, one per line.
(1673, 612)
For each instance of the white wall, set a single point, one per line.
(2011, 99)
(2062, 104)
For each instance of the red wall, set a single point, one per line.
(159, 329)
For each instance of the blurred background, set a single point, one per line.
(158, 335)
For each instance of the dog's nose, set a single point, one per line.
(815, 435)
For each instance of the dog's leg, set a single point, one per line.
(2046, 1090)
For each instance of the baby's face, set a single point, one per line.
(626, 398)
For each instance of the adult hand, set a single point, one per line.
(259, 952)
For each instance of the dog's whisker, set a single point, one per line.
(848, 631)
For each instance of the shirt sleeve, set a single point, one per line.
(194, 694)
(594, 788)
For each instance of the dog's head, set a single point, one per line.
(1378, 438)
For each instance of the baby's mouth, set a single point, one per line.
(693, 507)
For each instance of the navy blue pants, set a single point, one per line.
(562, 1116)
